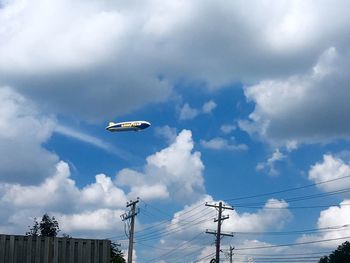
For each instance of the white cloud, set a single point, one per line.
(23, 131)
(167, 132)
(227, 128)
(97, 142)
(197, 218)
(83, 137)
(336, 218)
(98, 220)
(93, 210)
(174, 172)
(219, 143)
(208, 107)
(331, 168)
(305, 108)
(103, 192)
(269, 165)
(262, 220)
(100, 52)
(188, 113)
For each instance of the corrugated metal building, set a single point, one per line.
(29, 249)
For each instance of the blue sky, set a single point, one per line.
(245, 98)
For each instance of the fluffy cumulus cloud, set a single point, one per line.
(219, 143)
(333, 225)
(270, 164)
(188, 226)
(89, 208)
(208, 107)
(100, 52)
(304, 108)
(227, 128)
(167, 132)
(331, 169)
(87, 49)
(333, 222)
(188, 113)
(23, 131)
(175, 172)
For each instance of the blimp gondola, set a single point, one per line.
(127, 126)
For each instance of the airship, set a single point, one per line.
(127, 126)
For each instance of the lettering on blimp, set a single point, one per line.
(130, 124)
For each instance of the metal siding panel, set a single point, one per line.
(11, 250)
(19, 244)
(37, 249)
(2, 248)
(87, 251)
(71, 251)
(29, 249)
(96, 255)
(107, 250)
(55, 250)
(63, 251)
(80, 251)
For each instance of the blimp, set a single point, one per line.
(127, 126)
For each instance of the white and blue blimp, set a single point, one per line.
(127, 126)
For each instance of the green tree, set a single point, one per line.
(340, 255)
(117, 255)
(48, 227)
(34, 230)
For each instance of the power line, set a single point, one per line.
(290, 207)
(178, 224)
(293, 244)
(302, 231)
(182, 257)
(159, 224)
(205, 257)
(286, 190)
(172, 231)
(287, 254)
(175, 249)
(298, 198)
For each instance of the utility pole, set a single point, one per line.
(231, 254)
(218, 233)
(131, 214)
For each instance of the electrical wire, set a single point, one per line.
(298, 198)
(303, 231)
(179, 225)
(172, 231)
(285, 190)
(175, 249)
(292, 244)
(291, 207)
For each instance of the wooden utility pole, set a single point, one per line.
(131, 215)
(218, 233)
(231, 254)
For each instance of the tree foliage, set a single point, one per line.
(340, 255)
(117, 255)
(48, 227)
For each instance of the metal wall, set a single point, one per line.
(28, 249)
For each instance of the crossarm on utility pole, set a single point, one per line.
(132, 213)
